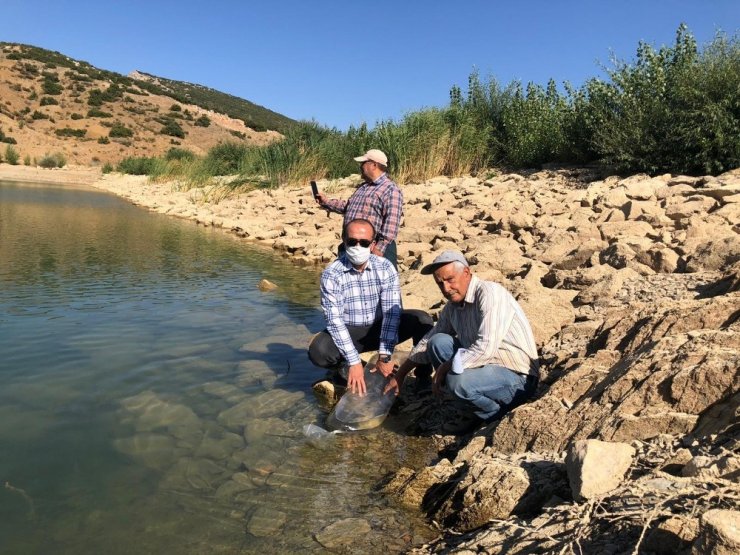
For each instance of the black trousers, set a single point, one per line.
(414, 325)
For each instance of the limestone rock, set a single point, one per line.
(548, 310)
(410, 487)
(719, 533)
(489, 490)
(266, 285)
(715, 254)
(596, 467)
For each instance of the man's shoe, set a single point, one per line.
(338, 375)
(327, 394)
(462, 424)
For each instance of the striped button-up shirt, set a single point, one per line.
(380, 202)
(352, 298)
(491, 327)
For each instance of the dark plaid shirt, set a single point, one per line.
(379, 202)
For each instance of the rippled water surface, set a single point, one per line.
(152, 399)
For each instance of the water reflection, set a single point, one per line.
(153, 398)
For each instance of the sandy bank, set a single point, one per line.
(68, 175)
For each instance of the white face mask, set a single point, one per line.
(358, 255)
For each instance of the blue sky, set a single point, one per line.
(345, 62)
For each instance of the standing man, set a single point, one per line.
(361, 300)
(377, 200)
(482, 348)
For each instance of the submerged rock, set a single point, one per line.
(269, 403)
(266, 285)
(152, 450)
(343, 533)
(266, 522)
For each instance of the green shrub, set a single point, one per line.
(107, 167)
(11, 155)
(76, 116)
(203, 121)
(56, 160)
(137, 166)
(48, 101)
(103, 140)
(675, 109)
(226, 158)
(39, 115)
(179, 154)
(95, 97)
(69, 132)
(6, 138)
(173, 129)
(120, 131)
(51, 86)
(26, 160)
(97, 113)
(175, 108)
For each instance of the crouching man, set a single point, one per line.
(482, 348)
(361, 300)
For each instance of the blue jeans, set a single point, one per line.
(491, 388)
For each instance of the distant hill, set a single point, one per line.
(53, 103)
(253, 115)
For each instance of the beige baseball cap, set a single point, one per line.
(373, 155)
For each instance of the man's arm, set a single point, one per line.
(392, 212)
(334, 205)
(332, 303)
(419, 353)
(390, 304)
(497, 315)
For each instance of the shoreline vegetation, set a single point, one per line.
(675, 109)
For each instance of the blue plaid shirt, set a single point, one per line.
(352, 298)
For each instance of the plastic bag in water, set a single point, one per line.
(318, 436)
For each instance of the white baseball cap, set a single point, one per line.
(443, 259)
(374, 155)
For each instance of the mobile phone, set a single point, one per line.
(314, 190)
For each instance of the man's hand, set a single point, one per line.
(386, 368)
(439, 377)
(321, 199)
(394, 384)
(356, 379)
(396, 380)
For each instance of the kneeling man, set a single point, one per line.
(361, 300)
(482, 347)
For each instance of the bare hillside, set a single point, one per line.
(93, 116)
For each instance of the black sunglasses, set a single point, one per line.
(351, 242)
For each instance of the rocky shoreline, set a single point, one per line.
(632, 286)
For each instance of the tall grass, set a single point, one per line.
(675, 109)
